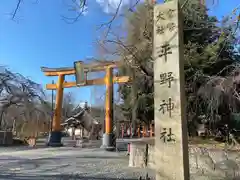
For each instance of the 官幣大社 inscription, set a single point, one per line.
(162, 18)
(171, 13)
(160, 29)
(166, 15)
(171, 26)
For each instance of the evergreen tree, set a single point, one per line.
(208, 50)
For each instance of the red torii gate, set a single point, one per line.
(55, 136)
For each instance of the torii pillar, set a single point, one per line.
(55, 136)
(108, 140)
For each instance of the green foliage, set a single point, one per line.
(209, 49)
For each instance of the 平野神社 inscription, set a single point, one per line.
(171, 147)
(164, 50)
(167, 78)
(166, 106)
(167, 136)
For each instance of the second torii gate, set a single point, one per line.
(55, 136)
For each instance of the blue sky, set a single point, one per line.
(39, 37)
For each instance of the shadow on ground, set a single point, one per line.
(52, 177)
(72, 177)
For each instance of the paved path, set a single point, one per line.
(93, 163)
(66, 163)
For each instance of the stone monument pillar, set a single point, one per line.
(171, 140)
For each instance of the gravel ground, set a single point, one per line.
(67, 163)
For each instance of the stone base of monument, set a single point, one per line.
(141, 155)
(205, 162)
(137, 155)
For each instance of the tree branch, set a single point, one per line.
(16, 9)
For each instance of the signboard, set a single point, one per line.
(79, 73)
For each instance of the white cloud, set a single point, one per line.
(85, 10)
(81, 9)
(110, 6)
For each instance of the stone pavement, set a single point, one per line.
(67, 163)
(94, 163)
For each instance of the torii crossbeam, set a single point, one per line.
(55, 136)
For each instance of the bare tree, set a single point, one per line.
(134, 50)
(78, 8)
(20, 97)
(68, 105)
